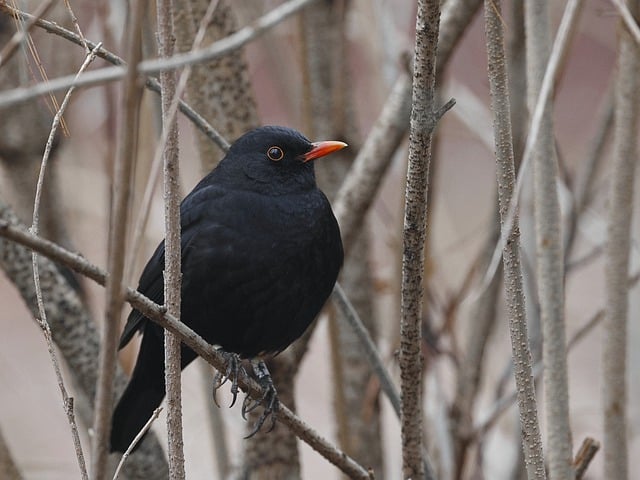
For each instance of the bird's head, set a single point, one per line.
(275, 159)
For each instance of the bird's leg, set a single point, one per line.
(234, 369)
(269, 398)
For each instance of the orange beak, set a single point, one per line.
(320, 149)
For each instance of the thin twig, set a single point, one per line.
(151, 83)
(557, 52)
(74, 20)
(21, 33)
(373, 356)
(627, 18)
(215, 50)
(587, 451)
(119, 219)
(136, 440)
(514, 289)
(158, 314)
(147, 198)
(44, 324)
(505, 401)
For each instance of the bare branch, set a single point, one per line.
(373, 356)
(557, 53)
(628, 19)
(125, 157)
(148, 67)
(22, 32)
(173, 255)
(44, 324)
(151, 83)
(136, 440)
(549, 255)
(505, 173)
(587, 451)
(625, 152)
(190, 338)
(424, 118)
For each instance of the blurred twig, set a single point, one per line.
(373, 356)
(583, 458)
(21, 33)
(44, 324)
(151, 83)
(148, 67)
(617, 249)
(549, 255)
(124, 162)
(559, 45)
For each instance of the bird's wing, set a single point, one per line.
(151, 282)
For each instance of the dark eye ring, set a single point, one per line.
(275, 153)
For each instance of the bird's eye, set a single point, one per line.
(275, 153)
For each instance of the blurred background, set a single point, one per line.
(373, 37)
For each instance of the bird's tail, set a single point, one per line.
(143, 395)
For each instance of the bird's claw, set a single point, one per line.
(269, 400)
(234, 369)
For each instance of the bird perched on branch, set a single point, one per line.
(261, 251)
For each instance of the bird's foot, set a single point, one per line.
(234, 369)
(269, 399)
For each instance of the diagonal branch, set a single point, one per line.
(215, 50)
(190, 338)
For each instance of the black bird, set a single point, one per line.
(261, 251)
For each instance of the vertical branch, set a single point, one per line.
(505, 172)
(424, 118)
(617, 255)
(549, 253)
(172, 270)
(125, 155)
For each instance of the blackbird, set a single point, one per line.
(261, 251)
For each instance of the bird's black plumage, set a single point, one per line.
(261, 251)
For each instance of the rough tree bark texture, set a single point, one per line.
(532, 442)
(76, 335)
(422, 124)
(21, 148)
(73, 329)
(549, 254)
(221, 88)
(172, 269)
(625, 158)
